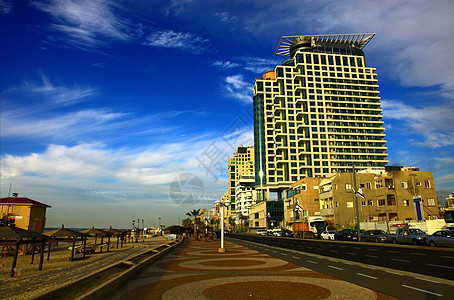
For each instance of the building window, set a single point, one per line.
(378, 184)
(368, 185)
(431, 202)
(364, 203)
(381, 202)
(370, 202)
(427, 184)
(304, 213)
(348, 187)
(406, 202)
(404, 185)
(256, 216)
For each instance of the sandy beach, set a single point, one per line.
(58, 270)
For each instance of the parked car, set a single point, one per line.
(441, 238)
(283, 232)
(376, 236)
(413, 236)
(261, 232)
(327, 235)
(345, 235)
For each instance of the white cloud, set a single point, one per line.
(433, 123)
(187, 42)
(259, 65)
(85, 23)
(55, 94)
(238, 88)
(225, 64)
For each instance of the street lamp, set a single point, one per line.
(222, 204)
(358, 221)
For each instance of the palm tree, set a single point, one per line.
(195, 213)
(232, 222)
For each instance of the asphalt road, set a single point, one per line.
(405, 272)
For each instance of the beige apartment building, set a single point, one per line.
(388, 196)
(305, 194)
(241, 163)
(317, 112)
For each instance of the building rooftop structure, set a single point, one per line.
(288, 44)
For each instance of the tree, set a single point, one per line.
(195, 213)
(232, 222)
(186, 222)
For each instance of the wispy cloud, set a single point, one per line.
(225, 64)
(433, 123)
(5, 7)
(238, 88)
(45, 89)
(187, 42)
(85, 23)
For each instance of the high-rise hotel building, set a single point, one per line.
(318, 112)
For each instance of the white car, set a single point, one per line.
(327, 235)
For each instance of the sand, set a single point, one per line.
(58, 271)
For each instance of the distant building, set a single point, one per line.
(388, 196)
(241, 163)
(245, 197)
(302, 201)
(27, 214)
(266, 215)
(317, 112)
(450, 201)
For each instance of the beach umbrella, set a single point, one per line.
(21, 236)
(113, 231)
(96, 233)
(66, 235)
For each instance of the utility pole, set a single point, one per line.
(356, 204)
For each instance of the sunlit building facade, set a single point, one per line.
(317, 113)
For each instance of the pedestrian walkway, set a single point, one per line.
(196, 270)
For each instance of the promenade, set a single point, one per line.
(196, 270)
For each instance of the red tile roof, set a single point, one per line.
(21, 200)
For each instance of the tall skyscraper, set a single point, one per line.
(317, 113)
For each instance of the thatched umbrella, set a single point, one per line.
(96, 233)
(113, 231)
(9, 235)
(65, 234)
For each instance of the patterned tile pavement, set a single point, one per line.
(197, 271)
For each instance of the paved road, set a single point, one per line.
(359, 264)
(196, 270)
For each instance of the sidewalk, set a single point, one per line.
(197, 271)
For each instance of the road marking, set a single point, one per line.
(373, 256)
(296, 257)
(392, 251)
(372, 249)
(312, 262)
(309, 247)
(429, 280)
(356, 247)
(351, 253)
(337, 268)
(333, 251)
(440, 266)
(368, 276)
(421, 290)
(395, 273)
(447, 256)
(333, 260)
(367, 267)
(422, 254)
(402, 260)
(321, 249)
(330, 245)
(349, 263)
(273, 251)
(342, 246)
(284, 253)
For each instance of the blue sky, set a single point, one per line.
(105, 105)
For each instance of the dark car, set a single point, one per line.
(345, 235)
(374, 236)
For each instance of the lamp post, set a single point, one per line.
(356, 204)
(222, 204)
